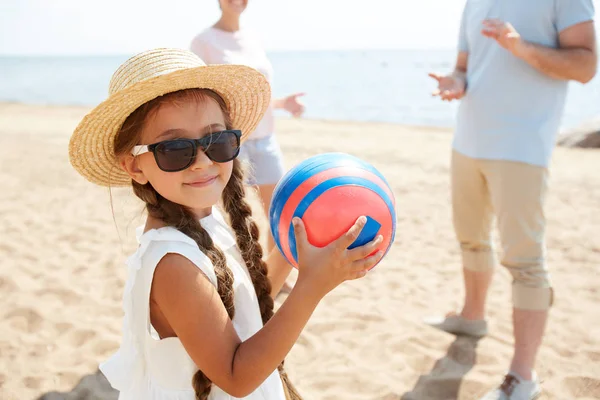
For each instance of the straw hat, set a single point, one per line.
(151, 74)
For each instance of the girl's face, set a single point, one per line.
(235, 7)
(199, 186)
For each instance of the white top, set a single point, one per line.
(216, 46)
(146, 367)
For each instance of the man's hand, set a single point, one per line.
(450, 87)
(505, 34)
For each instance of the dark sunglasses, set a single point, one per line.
(178, 154)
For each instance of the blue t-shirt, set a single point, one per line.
(510, 110)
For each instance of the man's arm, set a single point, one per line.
(453, 86)
(460, 70)
(575, 59)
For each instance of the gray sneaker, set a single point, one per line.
(516, 388)
(458, 325)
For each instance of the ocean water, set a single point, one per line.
(371, 85)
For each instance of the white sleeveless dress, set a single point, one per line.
(148, 368)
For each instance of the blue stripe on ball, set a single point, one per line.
(367, 233)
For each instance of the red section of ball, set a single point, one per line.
(336, 210)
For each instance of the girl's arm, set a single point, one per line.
(196, 314)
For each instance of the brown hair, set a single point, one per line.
(182, 218)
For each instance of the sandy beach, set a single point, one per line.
(62, 273)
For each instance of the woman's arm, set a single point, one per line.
(279, 269)
(201, 48)
(290, 103)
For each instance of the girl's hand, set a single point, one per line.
(323, 269)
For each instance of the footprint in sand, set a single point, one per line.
(25, 319)
(81, 337)
(105, 347)
(65, 296)
(583, 386)
(365, 317)
(566, 353)
(593, 355)
(32, 382)
(309, 343)
(62, 327)
(7, 285)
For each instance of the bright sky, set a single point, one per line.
(128, 26)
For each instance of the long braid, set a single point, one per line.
(183, 219)
(247, 238)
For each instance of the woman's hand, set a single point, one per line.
(293, 104)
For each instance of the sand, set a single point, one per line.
(62, 272)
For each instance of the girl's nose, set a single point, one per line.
(201, 160)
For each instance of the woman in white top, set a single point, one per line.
(226, 43)
(198, 306)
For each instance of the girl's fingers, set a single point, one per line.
(363, 251)
(350, 236)
(365, 263)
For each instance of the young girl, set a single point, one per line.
(199, 321)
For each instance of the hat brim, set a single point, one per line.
(246, 93)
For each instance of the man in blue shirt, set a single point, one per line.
(515, 59)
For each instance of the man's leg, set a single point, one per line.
(477, 284)
(472, 219)
(518, 192)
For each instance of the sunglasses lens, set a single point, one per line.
(223, 147)
(174, 155)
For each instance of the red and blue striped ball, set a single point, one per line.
(329, 192)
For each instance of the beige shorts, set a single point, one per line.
(514, 193)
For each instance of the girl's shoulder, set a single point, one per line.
(154, 244)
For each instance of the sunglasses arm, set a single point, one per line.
(137, 150)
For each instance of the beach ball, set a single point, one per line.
(329, 192)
